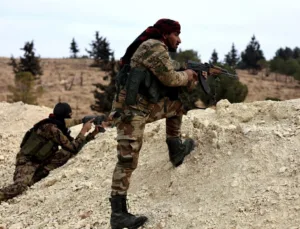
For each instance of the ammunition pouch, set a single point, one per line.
(26, 136)
(136, 78)
(121, 79)
(143, 82)
(37, 147)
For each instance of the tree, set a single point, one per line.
(74, 49)
(104, 94)
(28, 63)
(214, 57)
(296, 53)
(232, 58)
(24, 88)
(100, 50)
(292, 66)
(184, 56)
(277, 65)
(286, 62)
(284, 54)
(252, 55)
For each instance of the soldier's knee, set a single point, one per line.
(128, 153)
(63, 155)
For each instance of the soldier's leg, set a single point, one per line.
(173, 126)
(59, 158)
(130, 139)
(173, 111)
(23, 178)
(130, 136)
(166, 109)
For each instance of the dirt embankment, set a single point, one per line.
(245, 173)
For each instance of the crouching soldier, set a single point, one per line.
(47, 146)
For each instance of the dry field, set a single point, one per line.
(72, 80)
(69, 80)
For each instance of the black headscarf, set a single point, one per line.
(61, 112)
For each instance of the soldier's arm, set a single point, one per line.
(176, 65)
(72, 122)
(58, 137)
(159, 62)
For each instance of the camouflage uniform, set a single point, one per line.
(131, 120)
(28, 171)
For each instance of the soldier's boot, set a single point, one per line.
(178, 150)
(120, 218)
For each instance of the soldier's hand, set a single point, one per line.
(192, 75)
(99, 128)
(204, 74)
(96, 131)
(87, 126)
(192, 79)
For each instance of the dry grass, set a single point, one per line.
(69, 80)
(275, 86)
(72, 80)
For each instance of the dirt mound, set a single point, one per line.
(244, 173)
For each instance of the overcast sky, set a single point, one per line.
(206, 25)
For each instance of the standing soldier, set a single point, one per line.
(40, 153)
(147, 90)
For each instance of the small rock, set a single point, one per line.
(282, 169)
(235, 183)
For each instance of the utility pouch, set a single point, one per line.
(136, 77)
(121, 79)
(37, 147)
(26, 136)
(155, 92)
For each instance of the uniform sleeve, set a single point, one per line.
(72, 122)
(56, 135)
(176, 65)
(159, 62)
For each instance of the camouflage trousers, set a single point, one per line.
(130, 129)
(28, 172)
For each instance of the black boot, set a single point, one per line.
(120, 218)
(178, 150)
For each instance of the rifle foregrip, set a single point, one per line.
(97, 119)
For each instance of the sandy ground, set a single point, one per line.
(245, 173)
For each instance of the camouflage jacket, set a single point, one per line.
(153, 55)
(51, 132)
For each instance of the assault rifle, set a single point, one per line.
(97, 121)
(208, 70)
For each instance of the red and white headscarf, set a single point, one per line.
(162, 26)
